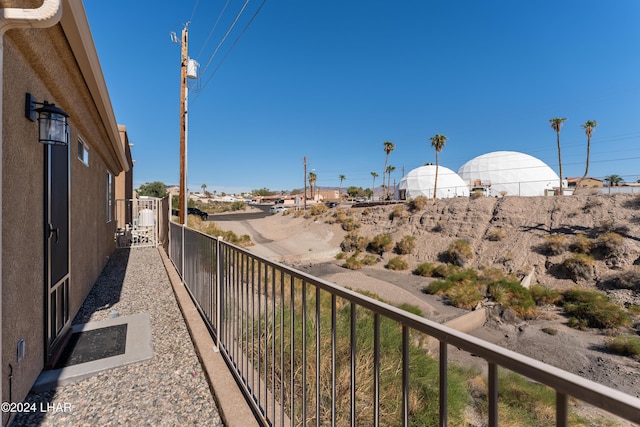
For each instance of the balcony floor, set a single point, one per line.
(171, 388)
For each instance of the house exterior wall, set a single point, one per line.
(124, 182)
(41, 62)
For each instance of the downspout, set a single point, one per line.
(45, 16)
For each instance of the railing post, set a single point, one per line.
(219, 265)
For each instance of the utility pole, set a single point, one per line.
(305, 182)
(182, 204)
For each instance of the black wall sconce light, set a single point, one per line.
(52, 121)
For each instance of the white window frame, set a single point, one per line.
(109, 196)
(83, 152)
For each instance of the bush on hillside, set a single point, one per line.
(460, 252)
(579, 266)
(397, 264)
(381, 243)
(594, 310)
(406, 245)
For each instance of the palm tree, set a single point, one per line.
(556, 124)
(341, 178)
(204, 188)
(589, 126)
(438, 142)
(373, 185)
(389, 170)
(613, 180)
(312, 182)
(388, 148)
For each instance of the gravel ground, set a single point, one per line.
(168, 390)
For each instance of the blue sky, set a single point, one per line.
(332, 80)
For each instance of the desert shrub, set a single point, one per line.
(398, 211)
(555, 244)
(461, 288)
(634, 310)
(318, 209)
(425, 269)
(397, 264)
(238, 206)
(419, 203)
(625, 345)
(579, 266)
(610, 243)
(350, 224)
(491, 274)
(406, 245)
(445, 270)
(591, 204)
(581, 244)
(550, 331)
(381, 243)
(353, 263)
(544, 295)
(459, 252)
(369, 259)
(593, 309)
(212, 229)
(353, 242)
(604, 226)
(341, 255)
(366, 211)
(497, 234)
(513, 295)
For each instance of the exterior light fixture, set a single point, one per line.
(52, 121)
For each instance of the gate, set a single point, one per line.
(137, 222)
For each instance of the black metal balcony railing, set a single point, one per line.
(309, 352)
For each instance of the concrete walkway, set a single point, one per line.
(172, 388)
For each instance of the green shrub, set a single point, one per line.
(593, 309)
(353, 263)
(381, 243)
(579, 266)
(626, 345)
(425, 269)
(238, 206)
(419, 203)
(369, 259)
(397, 264)
(462, 289)
(341, 255)
(495, 235)
(445, 270)
(634, 310)
(543, 295)
(511, 294)
(581, 244)
(460, 252)
(406, 245)
(555, 244)
(550, 331)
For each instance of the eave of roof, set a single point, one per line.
(76, 28)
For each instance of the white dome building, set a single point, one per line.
(419, 182)
(509, 173)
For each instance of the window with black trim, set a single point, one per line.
(109, 196)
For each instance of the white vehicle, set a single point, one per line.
(277, 208)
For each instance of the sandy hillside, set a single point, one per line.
(525, 223)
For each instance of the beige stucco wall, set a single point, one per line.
(39, 61)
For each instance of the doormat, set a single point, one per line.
(99, 346)
(87, 346)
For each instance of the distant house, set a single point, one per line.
(58, 214)
(587, 182)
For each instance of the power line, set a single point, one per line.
(215, 25)
(195, 7)
(230, 49)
